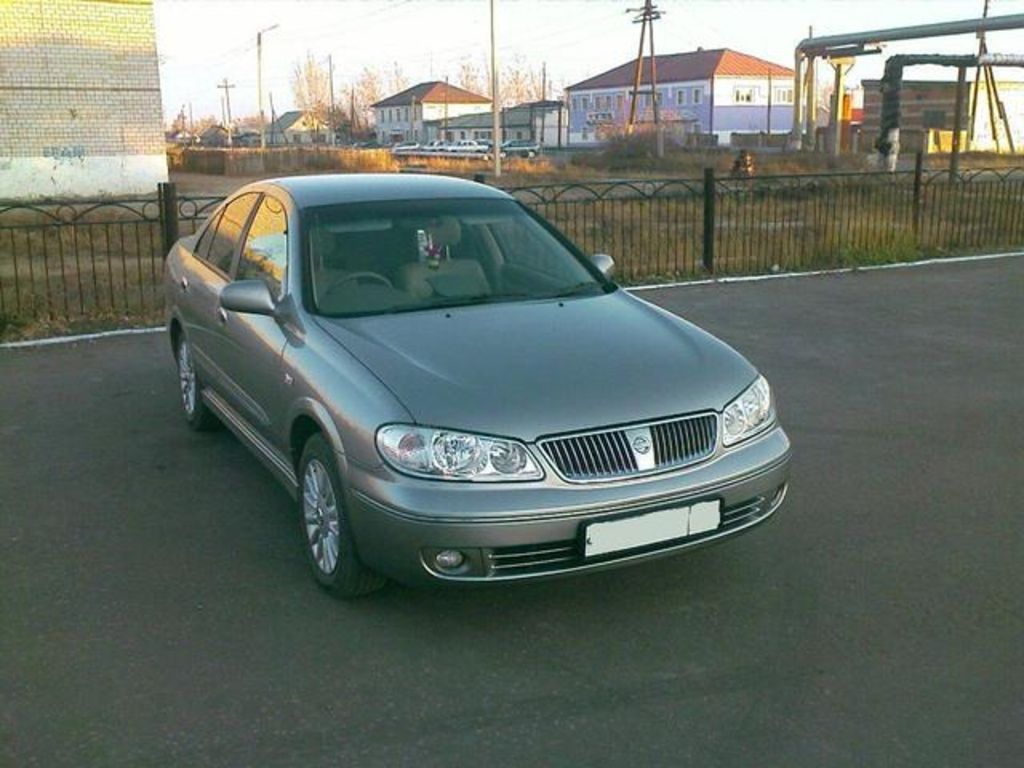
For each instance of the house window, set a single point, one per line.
(698, 95)
(783, 95)
(743, 95)
(575, 104)
(519, 134)
(681, 96)
(620, 100)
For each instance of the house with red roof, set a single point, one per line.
(401, 117)
(717, 92)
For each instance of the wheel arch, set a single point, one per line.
(308, 418)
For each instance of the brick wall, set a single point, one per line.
(79, 89)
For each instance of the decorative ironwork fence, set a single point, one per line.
(87, 260)
(679, 229)
(102, 261)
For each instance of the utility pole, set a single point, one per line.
(543, 99)
(259, 84)
(352, 112)
(495, 100)
(646, 17)
(273, 117)
(330, 84)
(226, 86)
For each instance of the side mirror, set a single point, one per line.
(605, 263)
(250, 296)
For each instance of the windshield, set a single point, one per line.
(404, 256)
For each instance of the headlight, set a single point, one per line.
(447, 455)
(748, 414)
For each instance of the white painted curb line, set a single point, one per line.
(844, 271)
(651, 287)
(80, 337)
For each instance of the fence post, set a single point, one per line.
(918, 168)
(167, 194)
(709, 219)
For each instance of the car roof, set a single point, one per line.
(332, 189)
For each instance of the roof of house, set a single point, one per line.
(684, 67)
(434, 92)
(285, 121)
(511, 117)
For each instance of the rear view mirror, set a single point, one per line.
(605, 263)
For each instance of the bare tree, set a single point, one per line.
(397, 81)
(520, 82)
(366, 90)
(311, 88)
(471, 76)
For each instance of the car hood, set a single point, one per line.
(529, 369)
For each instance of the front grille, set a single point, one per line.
(611, 454)
(549, 556)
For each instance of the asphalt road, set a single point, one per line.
(155, 608)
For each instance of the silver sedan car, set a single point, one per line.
(453, 392)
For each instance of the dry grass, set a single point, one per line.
(106, 273)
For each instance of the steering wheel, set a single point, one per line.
(353, 277)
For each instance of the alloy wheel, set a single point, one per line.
(320, 513)
(187, 377)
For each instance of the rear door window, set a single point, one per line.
(229, 229)
(203, 246)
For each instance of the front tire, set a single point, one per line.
(330, 547)
(197, 414)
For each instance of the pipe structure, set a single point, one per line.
(821, 45)
(853, 44)
(888, 143)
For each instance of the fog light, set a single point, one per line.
(449, 559)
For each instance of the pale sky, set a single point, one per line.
(202, 42)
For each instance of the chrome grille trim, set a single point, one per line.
(605, 454)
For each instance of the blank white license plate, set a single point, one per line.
(651, 528)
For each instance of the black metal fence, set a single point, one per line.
(100, 262)
(679, 229)
(88, 261)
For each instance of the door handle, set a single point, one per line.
(222, 315)
(184, 283)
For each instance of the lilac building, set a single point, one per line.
(713, 92)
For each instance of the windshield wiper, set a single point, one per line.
(462, 301)
(580, 289)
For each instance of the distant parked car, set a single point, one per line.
(405, 147)
(437, 145)
(469, 147)
(453, 392)
(520, 148)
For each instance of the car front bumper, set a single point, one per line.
(519, 531)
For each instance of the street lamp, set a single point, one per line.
(495, 102)
(259, 82)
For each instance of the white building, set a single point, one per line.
(401, 117)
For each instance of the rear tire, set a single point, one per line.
(198, 416)
(326, 533)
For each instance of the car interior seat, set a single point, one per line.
(444, 276)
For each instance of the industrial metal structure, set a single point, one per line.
(839, 51)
